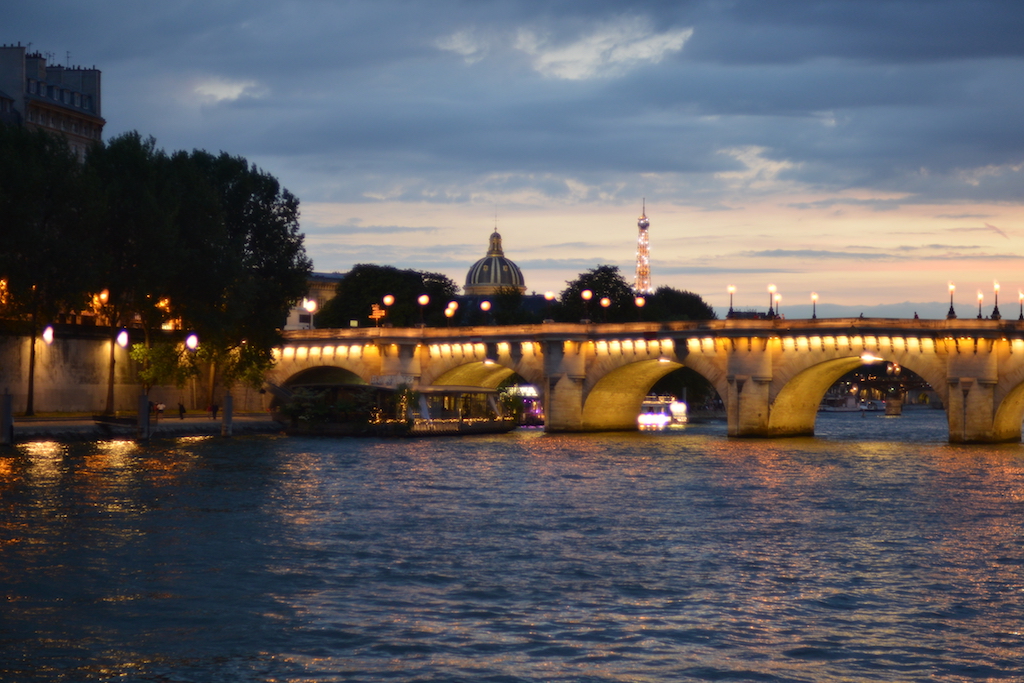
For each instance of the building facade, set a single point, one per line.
(61, 100)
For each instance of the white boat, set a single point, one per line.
(661, 412)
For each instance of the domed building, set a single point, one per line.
(494, 272)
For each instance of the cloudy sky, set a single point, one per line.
(871, 151)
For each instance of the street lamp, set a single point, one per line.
(640, 303)
(771, 300)
(732, 290)
(423, 300)
(952, 314)
(192, 342)
(605, 303)
(1020, 295)
(449, 312)
(778, 305)
(549, 296)
(310, 306)
(995, 310)
(814, 305)
(980, 297)
(122, 339)
(586, 295)
(48, 335)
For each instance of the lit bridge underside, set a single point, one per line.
(771, 374)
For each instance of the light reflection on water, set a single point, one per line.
(874, 551)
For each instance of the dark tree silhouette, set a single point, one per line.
(367, 284)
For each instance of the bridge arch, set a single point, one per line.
(475, 374)
(614, 401)
(794, 409)
(321, 375)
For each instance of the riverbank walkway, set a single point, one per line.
(79, 427)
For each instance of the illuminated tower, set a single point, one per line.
(642, 284)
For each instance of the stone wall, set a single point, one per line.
(71, 376)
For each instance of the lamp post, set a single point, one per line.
(48, 335)
(778, 305)
(1020, 295)
(980, 297)
(995, 309)
(310, 306)
(485, 306)
(814, 305)
(192, 341)
(952, 314)
(732, 290)
(641, 302)
(423, 300)
(605, 303)
(771, 300)
(586, 295)
(388, 300)
(549, 296)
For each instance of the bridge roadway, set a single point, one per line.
(771, 374)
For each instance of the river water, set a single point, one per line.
(874, 551)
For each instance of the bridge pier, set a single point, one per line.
(563, 406)
(971, 412)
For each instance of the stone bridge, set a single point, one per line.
(771, 374)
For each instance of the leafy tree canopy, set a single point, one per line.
(668, 304)
(603, 282)
(367, 284)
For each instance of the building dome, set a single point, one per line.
(494, 272)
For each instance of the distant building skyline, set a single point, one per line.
(62, 100)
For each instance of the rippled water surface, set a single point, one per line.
(875, 551)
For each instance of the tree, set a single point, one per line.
(367, 284)
(603, 282)
(44, 234)
(135, 236)
(261, 269)
(672, 304)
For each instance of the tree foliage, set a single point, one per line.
(668, 304)
(367, 284)
(602, 282)
(207, 240)
(605, 281)
(45, 232)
